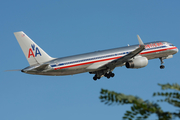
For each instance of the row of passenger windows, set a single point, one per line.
(118, 54)
(93, 58)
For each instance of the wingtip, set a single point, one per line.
(140, 41)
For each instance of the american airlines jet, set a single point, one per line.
(100, 63)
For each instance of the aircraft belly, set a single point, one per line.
(158, 54)
(69, 71)
(59, 72)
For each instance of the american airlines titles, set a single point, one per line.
(154, 45)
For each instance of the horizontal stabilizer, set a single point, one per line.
(42, 67)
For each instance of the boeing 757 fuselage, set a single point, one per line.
(100, 63)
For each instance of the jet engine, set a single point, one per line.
(137, 62)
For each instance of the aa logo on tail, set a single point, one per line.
(33, 50)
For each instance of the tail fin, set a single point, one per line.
(34, 54)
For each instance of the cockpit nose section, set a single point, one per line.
(176, 49)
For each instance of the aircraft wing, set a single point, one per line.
(122, 60)
(119, 61)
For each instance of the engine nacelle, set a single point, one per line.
(137, 62)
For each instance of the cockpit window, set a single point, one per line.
(171, 44)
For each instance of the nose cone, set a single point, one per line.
(176, 50)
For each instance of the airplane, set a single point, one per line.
(99, 63)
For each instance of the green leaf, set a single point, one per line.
(142, 112)
(167, 94)
(145, 117)
(135, 113)
(128, 112)
(102, 100)
(106, 102)
(124, 117)
(101, 97)
(132, 108)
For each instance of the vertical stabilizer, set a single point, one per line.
(34, 54)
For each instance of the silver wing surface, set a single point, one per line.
(120, 61)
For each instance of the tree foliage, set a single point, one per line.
(140, 109)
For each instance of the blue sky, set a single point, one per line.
(64, 28)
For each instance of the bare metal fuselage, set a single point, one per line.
(81, 63)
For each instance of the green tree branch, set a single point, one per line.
(141, 109)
